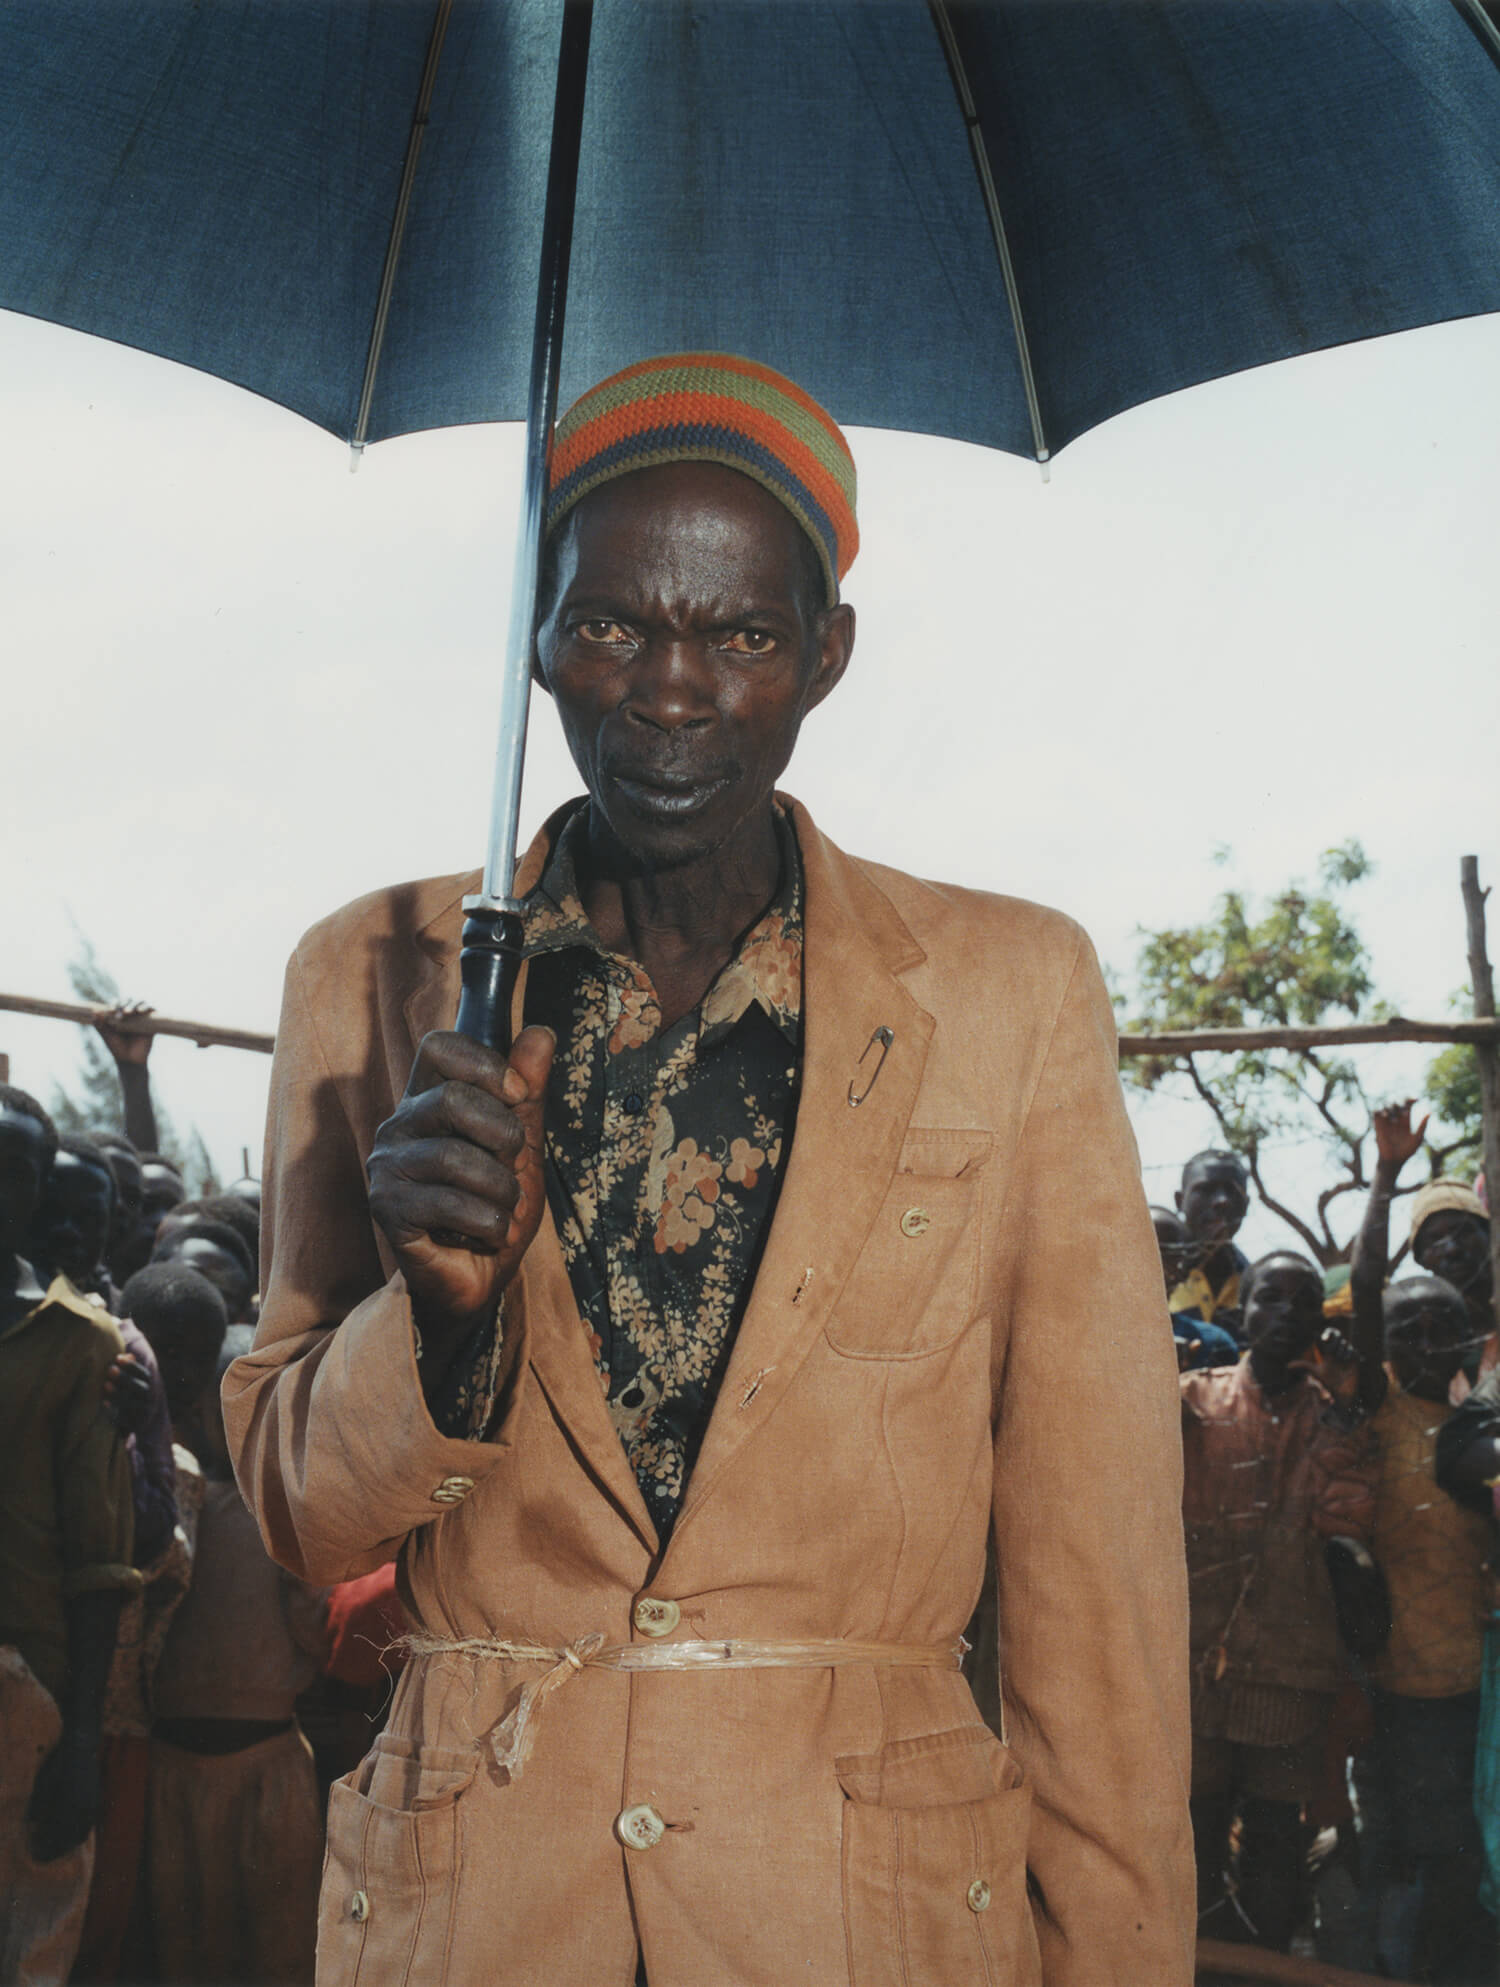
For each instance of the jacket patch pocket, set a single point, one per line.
(934, 1864)
(913, 1287)
(385, 1916)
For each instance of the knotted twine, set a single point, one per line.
(512, 1738)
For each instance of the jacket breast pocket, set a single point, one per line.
(385, 1916)
(915, 1284)
(934, 1864)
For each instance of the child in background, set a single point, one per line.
(235, 1827)
(1274, 1473)
(1421, 1853)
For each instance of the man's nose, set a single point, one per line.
(672, 686)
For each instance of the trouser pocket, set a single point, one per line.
(934, 1864)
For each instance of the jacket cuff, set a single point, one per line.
(99, 1579)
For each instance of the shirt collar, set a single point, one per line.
(765, 972)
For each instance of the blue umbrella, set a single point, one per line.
(1003, 222)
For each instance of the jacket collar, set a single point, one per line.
(856, 947)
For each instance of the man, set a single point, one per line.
(1213, 1200)
(771, 1288)
(65, 1566)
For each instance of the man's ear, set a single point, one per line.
(835, 646)
(1178, 1198)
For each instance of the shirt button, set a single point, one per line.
(915, 1221)
(632, 1102)
(979, 1895)
(453, 1490)
(359, 1907)
(654, 1617)
(640, 1828)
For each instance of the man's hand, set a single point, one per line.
(65, 1796)
(128, 1048)
(127, 1394)
(1395, 1140)
(456, 1176)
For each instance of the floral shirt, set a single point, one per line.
(664, 1154)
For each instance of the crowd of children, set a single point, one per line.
(1340, 1524)
(161, 1808)
(173, 1706)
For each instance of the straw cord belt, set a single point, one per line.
(511, 1740)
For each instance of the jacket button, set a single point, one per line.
(654, 1617)
(640, 1827)
(915, 1221)
(453, 1490)
(359, 1907)
(979, 1895)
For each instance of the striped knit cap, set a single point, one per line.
(709, 407)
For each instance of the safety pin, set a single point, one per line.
(885, 1037)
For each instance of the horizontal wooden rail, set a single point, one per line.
(204, 1033)
(1352, 1034)
(1178, 1042)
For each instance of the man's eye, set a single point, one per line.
(750, 641)
(602, 631)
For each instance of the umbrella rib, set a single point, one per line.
(954, 56)
(398, 223)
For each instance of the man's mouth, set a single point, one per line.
(668, 796)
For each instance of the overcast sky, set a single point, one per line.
(243, 685)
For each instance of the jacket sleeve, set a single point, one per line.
(95, 1516)
(333, 1445)
(1088, 1527)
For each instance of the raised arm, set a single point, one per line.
(132, 1054)
(1395, 1142)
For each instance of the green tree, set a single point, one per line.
(96, 1105)
(1297, 959)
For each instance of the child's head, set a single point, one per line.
(1214, 1196)
(71, 1227)
(1450, 1236)
(216, 1251)
(1282, 1296)
(237, 1341)
(28, 1145)
(1176, 1246)
(1428, 1334)
(182, 1316)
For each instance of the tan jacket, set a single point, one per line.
(894, 1386)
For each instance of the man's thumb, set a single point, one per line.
(527, 1068)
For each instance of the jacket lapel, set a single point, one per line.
(843, 1155)
(559, 1347)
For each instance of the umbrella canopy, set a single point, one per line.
(1185, 188)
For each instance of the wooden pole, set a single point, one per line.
(1193, 1041)
(1485, 1053)
(202, 1032)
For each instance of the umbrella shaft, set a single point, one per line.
(546, 353)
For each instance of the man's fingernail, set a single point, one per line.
(513, 1089)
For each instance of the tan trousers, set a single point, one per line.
(234, 1846)
(41, 1904)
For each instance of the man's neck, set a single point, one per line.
(682, 924)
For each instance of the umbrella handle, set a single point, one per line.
(488, 966)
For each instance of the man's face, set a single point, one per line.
(186, 1355)
(1427, 1337)
(71, 1229)
(23, 1167)
(683, 652)
(1283, 1313)
(1214, 1201)
(1456, 1247)
(161, 1189)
